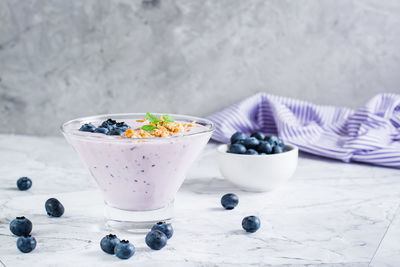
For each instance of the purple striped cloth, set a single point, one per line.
(370, 134)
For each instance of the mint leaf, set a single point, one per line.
(149, 128)
(167, 118)
(151, 118)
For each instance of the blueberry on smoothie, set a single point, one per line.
(229, 201)
(156, 239)
(24, 183)
(102, 130)
(251, 224)
(108, 243)
(251, 152)
(26, 243)
(87, 127)
(116, 131)
(164, 227)
(109, 124)
(237, 149)
(124, 250)
(237, 137)
(264, 147)
(54, 208)
(21, 226)
(251, 142)
(277, 149)
(259, 135)
(122, 125)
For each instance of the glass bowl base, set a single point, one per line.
(136, 221)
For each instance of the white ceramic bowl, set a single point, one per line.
(257, 172)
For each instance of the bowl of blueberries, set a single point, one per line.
(257, 162)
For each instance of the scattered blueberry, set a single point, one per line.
(229, 201)
(21, 226)
(259, 135)
(124, 250)
(102, 130)
(116, 131)
(251, 142)
(54, 207)
(277, 149)
(108, 243)
(237, 136)
(156, 239)
(251, 152)
(251, 224)
(26, 243)
(164, 227)
(24, 183)
(264, 147)
(237, 149)
(87, 127)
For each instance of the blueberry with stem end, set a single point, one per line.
(21, 226)
(124, 250)
(108, 243)
(164, 227)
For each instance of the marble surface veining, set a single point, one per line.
(65, 59)
(329, 214)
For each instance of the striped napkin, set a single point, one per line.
(370, 134)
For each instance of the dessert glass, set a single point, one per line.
(139, 177)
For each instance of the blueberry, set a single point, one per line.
(122, 125)
(264, 147)
(164, 227)
(24, 183)
(277, 149)
(237, 149)
(251, 224)
(87, 127)
(109, 124)
(54, 207)
(272, 139)
(156, 239)
(124, 250)
(251, 142)
(116, 131)
(251, 152)
(102, 130)
(26, 243)
(259, 135)
(238, 136)
(21, 226)
(108, 243)
(280, 143)
(229, 201)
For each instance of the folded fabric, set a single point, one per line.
(370, 134)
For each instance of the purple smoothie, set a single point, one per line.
(138, 174)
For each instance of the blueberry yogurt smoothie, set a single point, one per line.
(139, 161)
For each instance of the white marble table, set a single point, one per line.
(330, 213)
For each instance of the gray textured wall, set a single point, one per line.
(62, 59)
